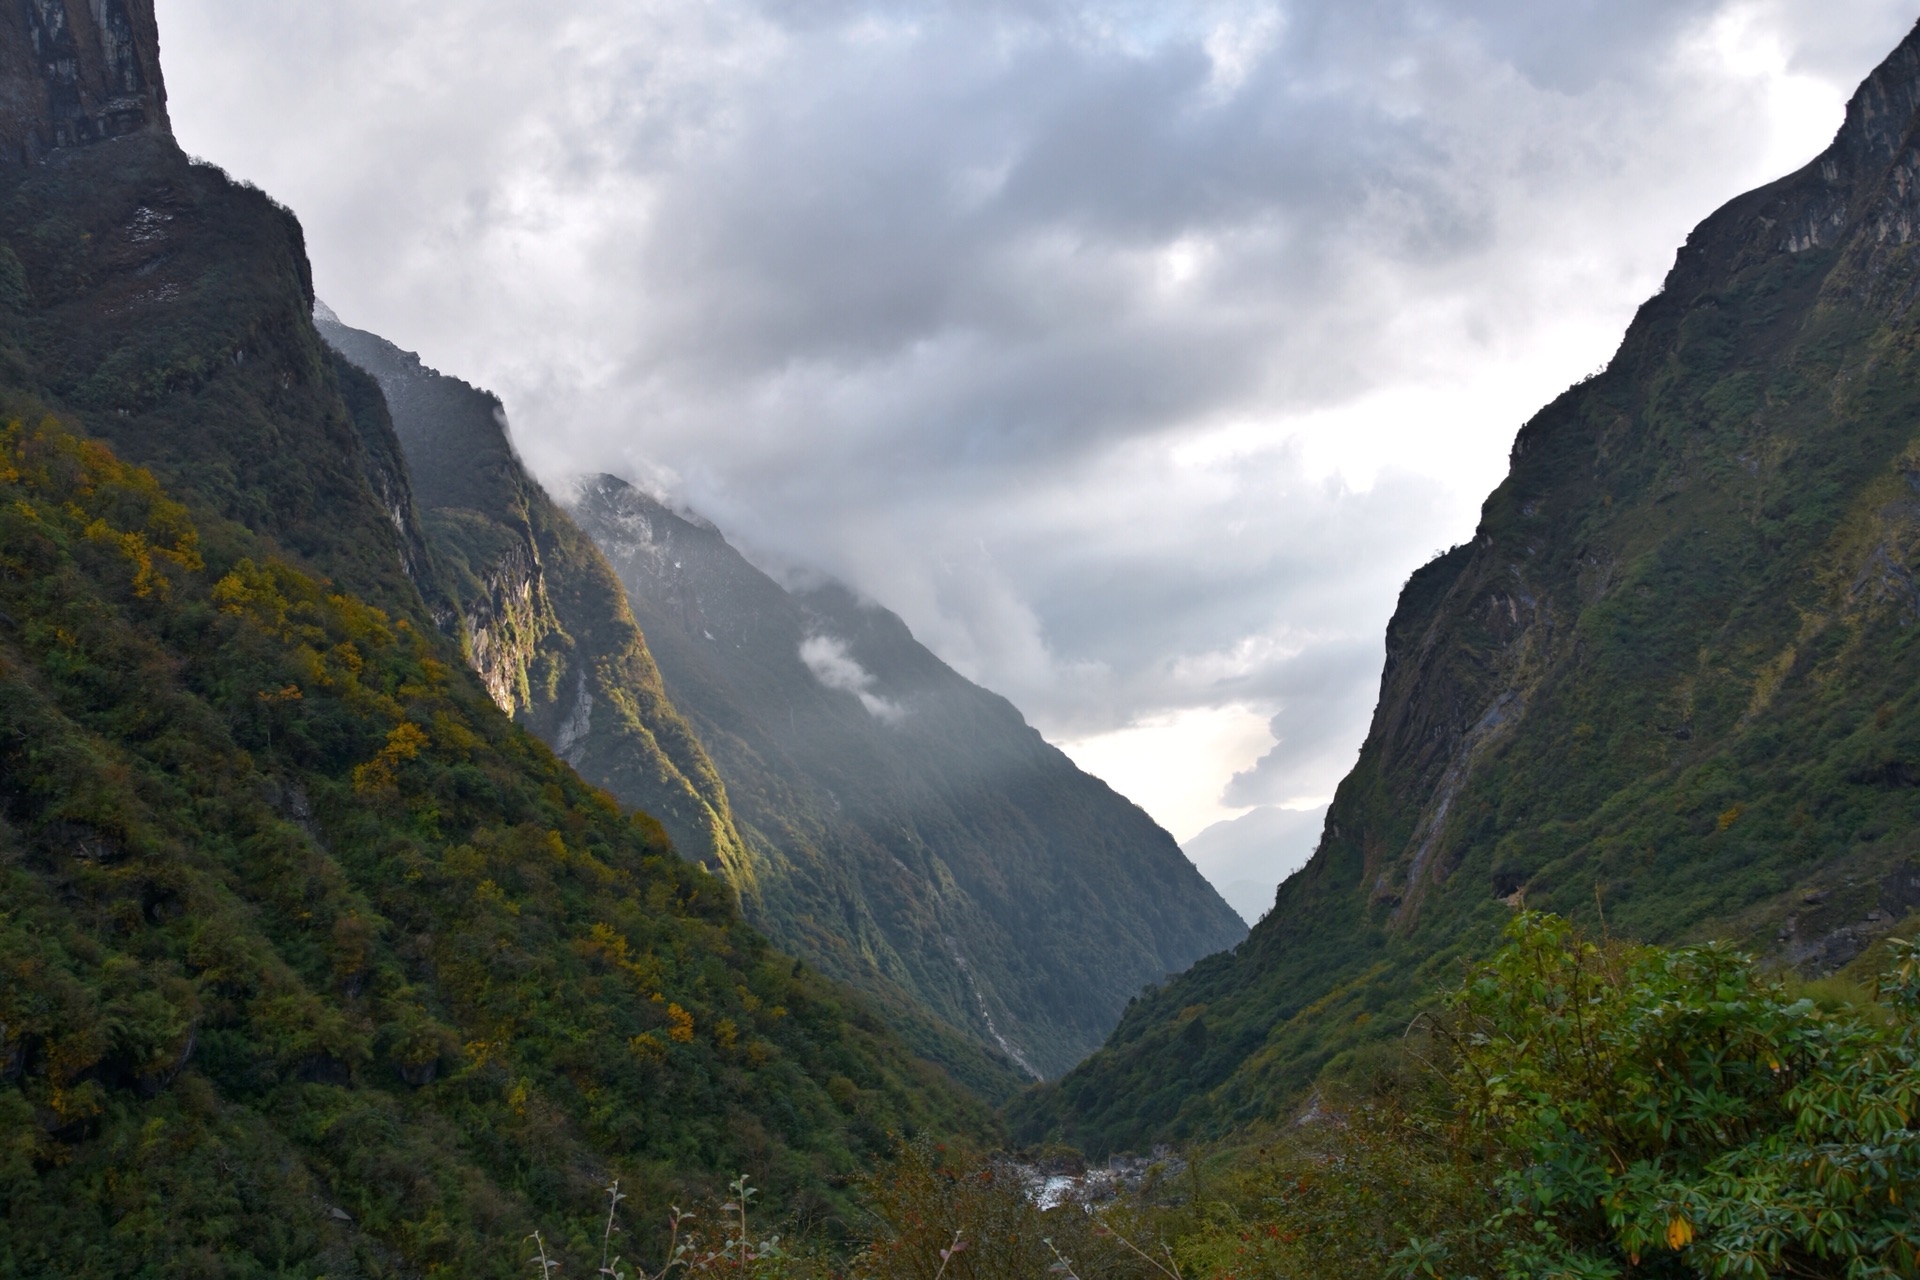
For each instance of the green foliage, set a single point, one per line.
(1577, 1109)
(1582, 1109)
(1678, 1112)
(311, 962)
(1336, 1198)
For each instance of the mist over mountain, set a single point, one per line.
(878, 814)
(917, 831)
(1668, 688)
(541, 617)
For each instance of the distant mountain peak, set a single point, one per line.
(634, 497)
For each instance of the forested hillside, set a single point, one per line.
(295, 921)
(1671, 682)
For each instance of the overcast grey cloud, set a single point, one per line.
(1134, 352)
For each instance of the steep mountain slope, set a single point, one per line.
(312, 962)
(1674, 674)
(168, 306)
(295, 920)
(544, 619)
(918, 835)
(548, 628)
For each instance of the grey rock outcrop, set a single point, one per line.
(76, 72)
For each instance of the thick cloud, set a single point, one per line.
(1133, 352)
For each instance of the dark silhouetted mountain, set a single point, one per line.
(1675, 672)
(916, 834)
(311, 961)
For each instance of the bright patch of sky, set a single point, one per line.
(1172, 764)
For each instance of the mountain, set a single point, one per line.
(312, 962)
(542, 617)
(894, 824)
(918, 835)
(546, 624)
(1248, 856)
(1671, 686)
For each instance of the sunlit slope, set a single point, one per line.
(548, 626)
(1673, 674)
(541, 616)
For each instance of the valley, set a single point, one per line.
(406, 862)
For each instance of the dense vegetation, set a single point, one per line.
(1674, 677)
(295, 921)
(1576, 1109)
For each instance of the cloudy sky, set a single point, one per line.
(1135, 352)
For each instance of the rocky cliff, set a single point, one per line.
(1669, 685)
(76, 72)
(919, 838)
(542, 618)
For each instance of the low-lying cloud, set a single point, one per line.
(833, 666)
(1133, 352)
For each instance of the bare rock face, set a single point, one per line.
(77, 72)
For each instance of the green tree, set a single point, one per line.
(1657, 1112)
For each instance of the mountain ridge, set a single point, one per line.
(549, 629)
(543, 621)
